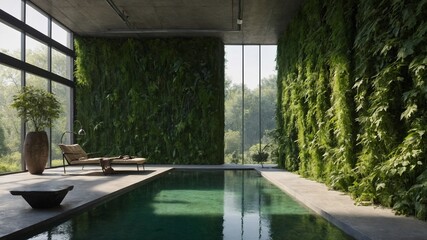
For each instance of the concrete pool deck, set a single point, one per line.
(91, 187)
(360, 222)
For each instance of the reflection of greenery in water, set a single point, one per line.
(187, 202)
(199, 205)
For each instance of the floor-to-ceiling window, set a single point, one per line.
(250, 100)
(34, 50)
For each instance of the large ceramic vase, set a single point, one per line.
(36, 151)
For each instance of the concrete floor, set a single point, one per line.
(91, 187)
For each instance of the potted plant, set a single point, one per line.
(39, 108)
(260, 156)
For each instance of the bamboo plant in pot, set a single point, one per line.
(39, 108)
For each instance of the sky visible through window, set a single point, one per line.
(33, 18)
(233, 69)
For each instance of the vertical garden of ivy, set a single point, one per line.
(158, 98)
(352, 106)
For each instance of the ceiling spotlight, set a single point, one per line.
(239, 21)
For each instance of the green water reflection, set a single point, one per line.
(199, 205)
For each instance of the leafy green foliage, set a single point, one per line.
(10, 162)
(159, 98)
(37, 106)
(353, 99)
(315, 93)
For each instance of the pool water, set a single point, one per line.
(230, 204)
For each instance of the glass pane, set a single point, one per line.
(36, 19)
(233, 104)
(251, 101)
(13, 7)
(36, 53)
(36, 81)
(268, 61)
(268, 97)
(60, 35)
(61, 125)
(251, 67)
(10, 126)
(61, 64)
(10, 45)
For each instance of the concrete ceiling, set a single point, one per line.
(263, 20)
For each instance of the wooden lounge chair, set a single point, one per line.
(75, 155)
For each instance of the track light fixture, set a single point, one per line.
(119, 12)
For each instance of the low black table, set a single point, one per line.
(43, 196)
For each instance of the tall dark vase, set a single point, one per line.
(36, 151)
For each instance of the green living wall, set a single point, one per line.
(158, 98)
(352, 100)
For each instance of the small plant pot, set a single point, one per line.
(260, 157)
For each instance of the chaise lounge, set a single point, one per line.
(75, 155)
